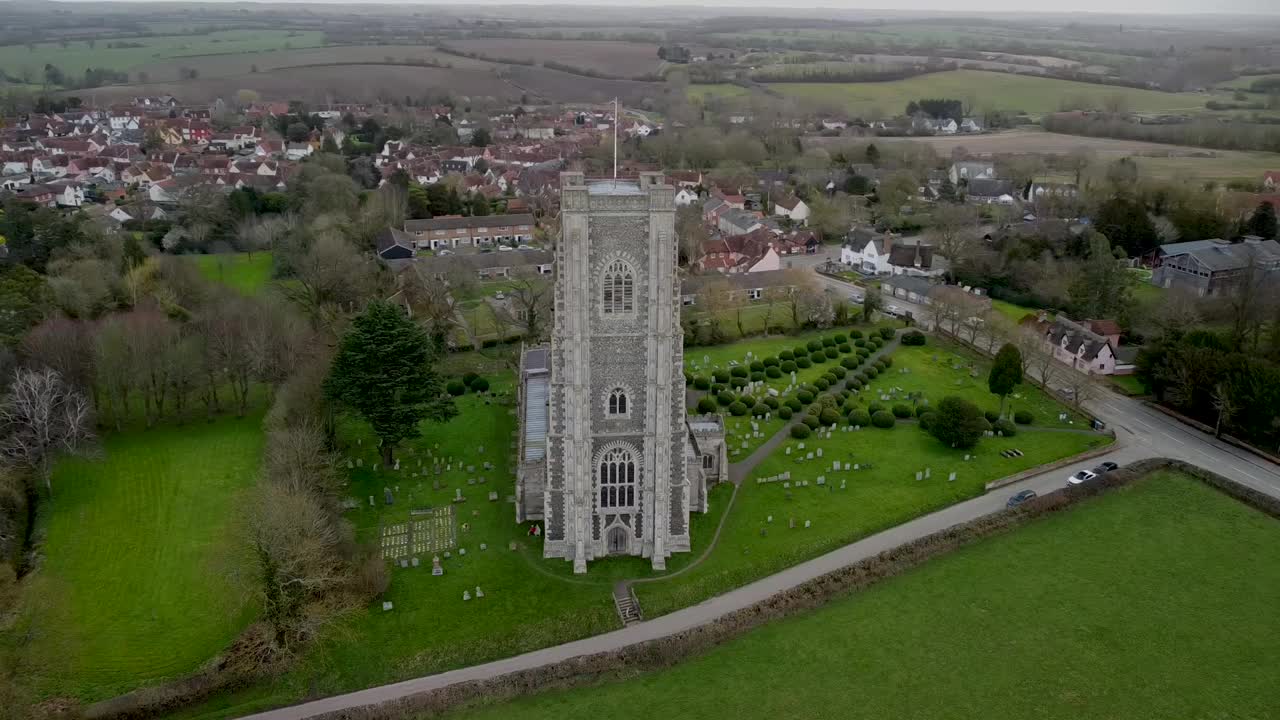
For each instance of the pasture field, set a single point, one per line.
(140, 549)
(624, 59)
(247, 273)
(1048, 621)
(155, 51)
(215, 66)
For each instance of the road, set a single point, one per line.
(1140, 433)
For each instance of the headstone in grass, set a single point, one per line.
(359, 462)
(818, 452)
(479, 592)
(466, 595)
(416, 562)
(404, 563)
(919, 475)
(493, 496)
(951, 477)
(791, 523)
(457, 497)
(387, 606)
(387, 496)
(352, 466)
(435, 566)
(370, 501)
(484, 546)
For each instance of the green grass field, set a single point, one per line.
(1153, 601)
(246, 273)
(1013, 312)
(989, 90)
(875, 497)
(78, 55)
(139, 547)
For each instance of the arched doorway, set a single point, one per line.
(616, 539)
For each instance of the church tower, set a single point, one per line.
(616, 475)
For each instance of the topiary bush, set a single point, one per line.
(757, 377)
(794, 403)
(850, 363)
(839, 338)
(479, 385)
(804, 396)
(721, 376)
(771, 401)
(880, 364)
(882, 419)
(913, 337)
(760, 409)
(739, 371)
(717, 388)
(831, 353)
(1023, 417)
(834, 375)
(469, 378)
(921, 409)
(812, 421)
(702, 382)
(707, 405)
(800, 351)
(991, 415)
(926, 420)
(804, 362)
(887, 359)
(902, 411)
(1005, 427)
(771, 361)
(814, 345)
(800, 431)
(788, 366)
(872, 372)
(844, 348)
(860, 417)
(756, 366)
(886, 333)
(818, 357)
(859, 342)
(726, 398)
(875, 407)
(738, 382)
(861, 377)
(784, 413)
(821, 384)
(829, 416)
(828, 342)
(772, 371)
(786, 355)
(455, 387)
(738, 408)
(863, 353)
(855, 383)
(855, 334)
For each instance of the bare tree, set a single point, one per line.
(528, 303)
(64, 345)
(1081, 385)
(115, 376)
(330, 278)
(42, 418)
(151, 336)
(953, 232)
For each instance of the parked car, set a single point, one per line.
(1081, 477)
(1105, 467)
(1020, 498)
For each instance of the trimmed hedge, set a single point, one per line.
(455, 387)
(771, 401)
(882, 419)
(921, 409)
(872, 372)
(850, 363)
(772, 371)
(828, 342)
(886, 333)
(738, 382)
(702, 382)
(859, 342)
(720, 375)
(855, 334)
(757, 366)
(770, 361)
(784, 413)
(926, 420)
(839, 338)
(804, 396)
(738, 371)
(814, 345)
(1005, 427)
(757, 377)
(800, 431)
(821, 383)
(469, 378)
(875, 407)
(901, 411)
(786, 355)
(845, 348)
(794, 403)
(831, 353)
(738, 408)
(788, 366)
(991, 415)
(480, 385)
(829, 416)
(707, 405)
(760, 409)
(818, 356)
(913, 337)
(726, 398)
(804, 362)
(800, 351)
(1023, 417)
(860, 417)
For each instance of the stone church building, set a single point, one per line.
(607, 458)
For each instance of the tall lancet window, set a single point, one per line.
(617, 479)
(618, 289)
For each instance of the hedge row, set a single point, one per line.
(665, 652)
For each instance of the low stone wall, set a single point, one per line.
(665, 652)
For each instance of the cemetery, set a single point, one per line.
(1185, 611)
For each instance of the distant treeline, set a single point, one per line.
(843, 72)
(548, 64)
(1222, 135)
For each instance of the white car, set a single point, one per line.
(1081, 477)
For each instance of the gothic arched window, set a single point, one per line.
(617, 479)
(617, 402)
(618, 288)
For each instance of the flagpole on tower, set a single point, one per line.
(616, 120)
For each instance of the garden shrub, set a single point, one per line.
(833, 377)
(786, 355)
(882, 419)
(771, 401)
(863, 353)
(717, 388)
(926, 420)
(839, 338)
(829, 416)
(821, 384)
(738, 371)
(1023, 417)
(738, 382)
(886, 333)
(859, 342)
(480, 385)
(702, 382)
(875, 407)
(1005, 427)
(804, 362)
(726, 398)
(875, 343)
(800, 351)
(788, 366)
(855, 334)
(721, 375)
(455, 387)
(804, 396)
(957, 422)
(850, 363)
(738, 408)
(913, 337)
(902, 411)
(772, 371)
(991, 415)
(794, 403)
(469, 378)
(880, 364)
(861, 377)
(844, 348)
(757, 377)
(818, 357)
(757, 366)
(855, 383)
(760, 409)
(828, 342)
(872, 372)
(814, 345)
(812, 421)
(784, 413)
(860, 417)
(831, 353)
(688, 378)
(921, 409)
(800, 431)
(706, 405)
(770, 361)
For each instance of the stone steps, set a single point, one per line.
(627, 605)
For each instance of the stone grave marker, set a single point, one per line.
(919, 475)
(466, 595)
(462, 552)
(387, 606)
(387, 497)
(415, 562)
(457, 497)
(806, 524)
(404, 563)
(370, 501)
(483, 547)
(435, 566)
(951, 477)
(493, 496)
(927, 472)
(818, 452)
(479, 592)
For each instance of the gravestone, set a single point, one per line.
(479, 592)
(387, 606)
(791, 523)
(806, 523)
(951, 477)
(404, 563)
(435, 566)
(493, 496)
(466, 595)
(919, 475)
(788, 450)
(808, 456)
(927, 471)
(350, 465)
(359, 462)
(769, 519)
(386, 495)
(511, 545)
(483, 547)
(370, 501)
(416, 562)
(457, 497)
(462, 552)
(818, 452)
